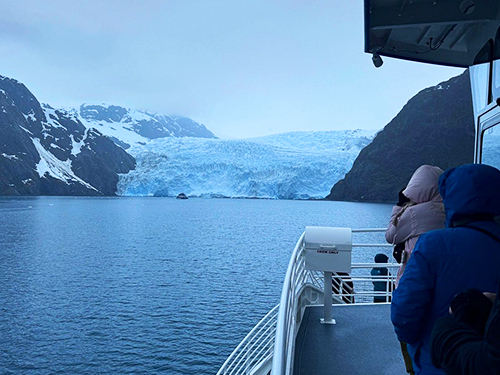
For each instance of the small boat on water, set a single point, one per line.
(315, 330)
(182, 196)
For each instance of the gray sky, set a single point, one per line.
(243, 68)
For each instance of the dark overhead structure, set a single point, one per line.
(457, 33)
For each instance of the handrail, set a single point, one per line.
(243, 358)
(282, 343)
(288, 315)
(368, 230)
(255, 353)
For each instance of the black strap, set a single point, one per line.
(482, 231)
(471, 219)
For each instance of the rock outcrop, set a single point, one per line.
(435, 127)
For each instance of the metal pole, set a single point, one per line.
(328, 300)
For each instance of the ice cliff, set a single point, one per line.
(297, 165)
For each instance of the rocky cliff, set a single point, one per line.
(435, 127)
(44, 151)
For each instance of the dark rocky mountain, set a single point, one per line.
(44, 151)
(435, 127)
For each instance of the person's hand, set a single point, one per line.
(402, 199)
(490, 296)
(472, 308)
(398, 251)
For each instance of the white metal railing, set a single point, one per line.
(286, 329)
(254, 353)
(290, 313)
(270, 344)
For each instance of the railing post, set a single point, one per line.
(328, 299)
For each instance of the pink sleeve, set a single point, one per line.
(391, 228)
(400, 232)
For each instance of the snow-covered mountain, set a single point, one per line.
(297, 165)
(48, 151)
(127, 127)
(44, 151)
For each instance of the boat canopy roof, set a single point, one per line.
(457, 33)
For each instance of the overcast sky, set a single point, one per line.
(243, 68)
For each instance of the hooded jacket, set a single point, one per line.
(448, 261)
(423, 213)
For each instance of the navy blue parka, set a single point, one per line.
(448, 261)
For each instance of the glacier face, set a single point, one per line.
(297, 165)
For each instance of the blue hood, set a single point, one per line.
(470, 190)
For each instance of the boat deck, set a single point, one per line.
(362, 342)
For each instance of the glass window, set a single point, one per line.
(479, 85)
(496, 79)
(491, 147)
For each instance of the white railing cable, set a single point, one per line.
(368, 230)
(235, 363)
(249, 352)
(371, 245)
(246, 355)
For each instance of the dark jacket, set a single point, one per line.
(461, 350)
(448, 261)
(380, 286)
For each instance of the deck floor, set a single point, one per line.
(362, 342)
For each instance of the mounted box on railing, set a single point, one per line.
(328, 249)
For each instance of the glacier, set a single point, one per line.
(295, 165)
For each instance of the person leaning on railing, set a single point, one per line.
(419, 210)
(343, 286)
(381, 282)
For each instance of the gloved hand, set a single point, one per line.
(397, 253)
(402, 199)
(471, 307)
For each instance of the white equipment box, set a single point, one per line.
(328, 249)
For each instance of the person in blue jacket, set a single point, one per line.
(464, 255)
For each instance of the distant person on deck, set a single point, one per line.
(383, 285)
(420, 209)
(445, 262)
(343, 286)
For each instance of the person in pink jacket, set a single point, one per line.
(420, 209)
(423, 211)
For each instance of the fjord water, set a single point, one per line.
(145, 285)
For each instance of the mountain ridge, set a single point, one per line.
(49, 151)
(127, 127)
(435, 127)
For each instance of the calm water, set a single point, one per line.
(145, 285)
